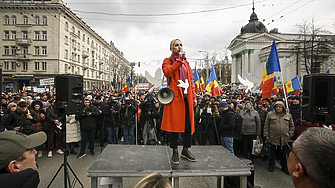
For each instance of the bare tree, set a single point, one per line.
(315, 48)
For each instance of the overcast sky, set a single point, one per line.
(143, 29)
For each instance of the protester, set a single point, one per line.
(127, 113)
(37, 108)
(100, 119)
(72, 133)
(17, 159)
(227, 125)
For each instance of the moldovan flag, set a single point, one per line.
(275, 89)
(196, 81)
(127, 85)
(272, 65)
(202, 83)
(213, 85)
(24, 89)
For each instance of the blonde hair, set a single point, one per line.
(172, 43)
(154, 180)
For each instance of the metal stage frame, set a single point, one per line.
(120, 161)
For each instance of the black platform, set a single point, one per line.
(139, 161)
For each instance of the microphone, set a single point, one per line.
(184, 56)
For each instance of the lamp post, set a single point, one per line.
(207, 62)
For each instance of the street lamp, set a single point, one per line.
(207, 62)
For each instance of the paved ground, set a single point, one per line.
(49, 166)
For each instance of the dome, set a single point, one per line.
(254, 26)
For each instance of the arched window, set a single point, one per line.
(37, 20)
(88, 40)
(73, 29)
(44, 20)
(14, 20)
(6, 20)
(66, 26)
(79, 34)
(25, 20)
(84, 37)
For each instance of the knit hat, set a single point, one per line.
(13, 144)
(10, 105)
(223, 104)
(240, 106)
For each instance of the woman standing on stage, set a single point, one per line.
(178, 116)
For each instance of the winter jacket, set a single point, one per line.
(238, 126)
(51, 117)
(19, 118)
(28, 178)
(127, 114)
(295, 111)
(88, 122)
(113, 119)
(251, 124)
(72, 129)
(103, 108)
(227, 123)
(279, 128)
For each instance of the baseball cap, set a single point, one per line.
(223, 104)
(13, 144)
(22, 104)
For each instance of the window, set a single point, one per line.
(66, 40)
(44, 66)
(66, 26)
(36, 50)
(13, 50)
(88, 73)
(25, 50)
(36, 35)
(44, 20)
(79, 34)
(37, 20)
(78, 58)
(72, 69)
(13, 65)
(13, 20)
(78, 70)
(6, 50)
(24, 66)
(25, 34)
(66, 54)
(25, 20)
(83, 37)
(6, 20)
(13, 35)
(78, 46)
(65, 68)
(73, 44)
(73, 57)
(44, 35)
(73, 29)
(44, 50)
(6, 34)
(88, 40)
(6, 65)
(37, 66)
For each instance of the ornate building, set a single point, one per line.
(251, 48)
(42, 38)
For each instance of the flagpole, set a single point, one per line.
(284, 89)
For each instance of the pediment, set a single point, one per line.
(264, 37)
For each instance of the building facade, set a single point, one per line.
(251, 48)
(43, 38)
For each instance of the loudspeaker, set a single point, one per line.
(318, 103)
(69, 93)
(165, 95)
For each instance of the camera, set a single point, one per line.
(86, 111)
(127, 101)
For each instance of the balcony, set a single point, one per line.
(101, 61)
(23, 41)
(74, 34)
(23, 57)
(84, 54)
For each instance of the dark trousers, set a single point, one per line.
(100, 128)
(186, 136)
(54, 139)
(283, 156)
(87, 135)
(247, 141)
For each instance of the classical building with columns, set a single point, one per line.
(251, 48)
(43, 38)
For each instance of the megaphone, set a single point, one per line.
(165, 95)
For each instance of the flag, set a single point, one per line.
(272, 65)
(275, 89)
(24, 89)
(328, 71)
(295, 83)
(213, 85)
(44, 90)
(127, 85)
(288, 86)
(202, 83)
(196, 81)
(51, 88)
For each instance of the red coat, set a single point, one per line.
(174, 113)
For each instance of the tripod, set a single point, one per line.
(211, 119)
(65, 163)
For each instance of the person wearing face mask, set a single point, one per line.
(251, 128)
(295, 108)
(178, 116)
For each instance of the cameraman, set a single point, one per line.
(148, 113)
(127, 115)
(87, 119)
(113, 119)
(207, 112)
(102, 109)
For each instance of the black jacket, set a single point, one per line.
(127, 114)
(295, 111)
(113, 119)
(51, 116)
(88, 122)
(145, 108)
(227, 123)
(19, 118)
(101, 106)
(28, 178)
